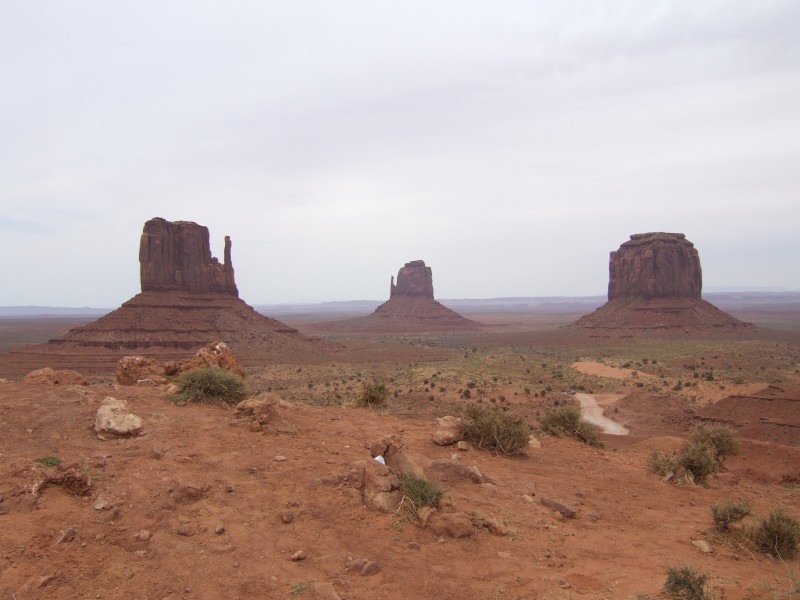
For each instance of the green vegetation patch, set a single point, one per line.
(209, 385)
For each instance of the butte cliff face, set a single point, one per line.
(176, 257)
(655, 265)
(654, 285)
(188, 300)
(414, 280)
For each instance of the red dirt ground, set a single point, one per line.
(194, 472)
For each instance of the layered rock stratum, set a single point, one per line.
(655, 283)
(188, 300)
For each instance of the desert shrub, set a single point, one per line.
(565, 421)
(685, 583)
(778, 534)
(210, 384)
(48, 461)
(723, 440)
(698, 461)
(372, 394)
(725, 513)
(490, 428)
(663, 465)
(420, 491)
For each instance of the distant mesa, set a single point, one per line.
(410, 308)
(188, 300)
(654, 285)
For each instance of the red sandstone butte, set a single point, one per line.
(654, 285)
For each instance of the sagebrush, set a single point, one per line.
(686, 583)
(565, 421)
(727, 512)
(490, 428)
(723, 440)
(778, 534)
(373, 393)
(209, 385)
(420, 491)
(701, 456)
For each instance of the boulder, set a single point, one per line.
(454, 471)
(448, 431)
(454, 525)
(49, 376)
(381, 488)
(394, 454)
(114, 419)
(176, 256)
(216, 354)
(131, 369)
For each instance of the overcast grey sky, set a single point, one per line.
(510, 144)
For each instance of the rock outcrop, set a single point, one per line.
(188, 300)
(176, 256)
(654, 285)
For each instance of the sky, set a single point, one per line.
(510, 144)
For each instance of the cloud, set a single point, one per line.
(511, 145)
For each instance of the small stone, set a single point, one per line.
(144, 535)
(563, 509)
(370, 568)
(287, 517)
(298, 556)
(185, 531)
(219, 529)
(355, 566)
(504, 554)
(324, 591)
(528, 498)
(140, 553)
(413, 545)
(45, 580)
(102, 504)
(462, 445)
(564, 585)
(279, 458)
(703, 546)
(534, 442)
(255, 426)
(66, 536)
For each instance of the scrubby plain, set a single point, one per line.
(204, 506)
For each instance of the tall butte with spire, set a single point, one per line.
(188, 300)
(654, 285)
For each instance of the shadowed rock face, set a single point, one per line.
(176, 256)
(655, 265)
(413, 280)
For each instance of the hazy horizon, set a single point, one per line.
(510, 145)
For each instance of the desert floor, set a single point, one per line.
(201, 507)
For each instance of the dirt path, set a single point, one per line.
(592, 411)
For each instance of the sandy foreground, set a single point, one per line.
(199, 506)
